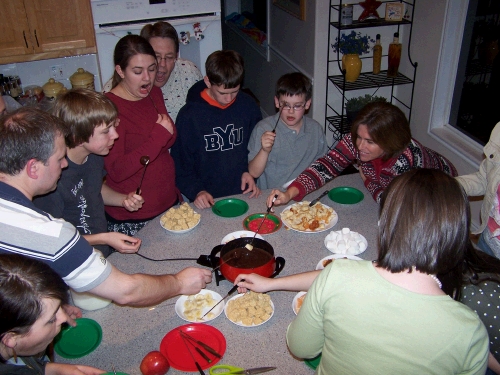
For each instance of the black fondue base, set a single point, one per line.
(212, 261)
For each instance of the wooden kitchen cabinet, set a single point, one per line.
(45, 29)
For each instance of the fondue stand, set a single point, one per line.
(130, 333)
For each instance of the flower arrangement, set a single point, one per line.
(352, 43)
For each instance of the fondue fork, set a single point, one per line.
(192, 356)
(249, 246)
(231, 291)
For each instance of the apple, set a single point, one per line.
(154, 363)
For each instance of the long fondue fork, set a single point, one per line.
(249, 246)
(231, 291)
(192, 356)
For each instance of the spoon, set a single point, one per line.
(144, 161)
(249, 246)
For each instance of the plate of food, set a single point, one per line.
(302, 218)
(271, 224)
(239, 234)
(330, 258)
(180, 219)
(249, 309)
(297, 301)
(192, 308)
(346, 241)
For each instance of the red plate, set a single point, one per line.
(173, 348)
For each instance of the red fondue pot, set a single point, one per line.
(261, 262)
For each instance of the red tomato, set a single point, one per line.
(154, 363)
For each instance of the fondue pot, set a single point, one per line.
(236, 259)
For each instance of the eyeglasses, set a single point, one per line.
(296, 107)
(168, 59)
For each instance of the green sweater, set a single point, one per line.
(364, 324)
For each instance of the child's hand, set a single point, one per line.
(248, 180)
(132, 202)
(165, 121)
(267, 141)
(123, 243)
(204, 200)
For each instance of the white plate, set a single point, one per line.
(330, 225)
(179, 306)
(239, 234)
(183, 230)
(335, 251)
(238, 323)
(287, 184)
(294, 302)
(320, 265)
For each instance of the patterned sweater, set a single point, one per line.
(378, 173)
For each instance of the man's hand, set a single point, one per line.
(132, 202)
(73, 313)
(204, 200)
(248, 180)
(192, 280)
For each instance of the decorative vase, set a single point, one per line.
(352, 65)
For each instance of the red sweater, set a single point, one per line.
(140, 135)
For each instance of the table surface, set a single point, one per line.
(129, 333)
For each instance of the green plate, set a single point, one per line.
(76, 342)
(313, 362)
(346, 195)
(256, 219)
(230, 207)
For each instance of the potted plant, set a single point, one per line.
(351, 46)
(354, 105)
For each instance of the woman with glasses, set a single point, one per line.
(381, 146)
(31, 295)
(174, 76)
(146, 132)
(283, 145)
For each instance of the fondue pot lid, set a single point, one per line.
(81, 77)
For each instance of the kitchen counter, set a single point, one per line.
(130, 333)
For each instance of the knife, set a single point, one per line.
(317, 199)
(231, 291)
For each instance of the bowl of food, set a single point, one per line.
(301, 217)
(192, 308)
(180, 219)
(250, 309)
(346, 241)
(297, 301)
(239, 234)
(270, 223)
(330, 258)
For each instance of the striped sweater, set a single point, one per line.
(378, 173)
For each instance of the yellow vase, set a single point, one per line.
(352, 65)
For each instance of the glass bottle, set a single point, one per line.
(394, 57)
(377, 55)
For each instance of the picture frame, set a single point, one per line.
(394, 11)
(296, 8)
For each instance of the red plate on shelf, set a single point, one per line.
(173, 348)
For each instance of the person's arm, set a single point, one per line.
(131, 202)
(147, 290)
(283, 197)
(119, 241)
(476, 183)
(257, 165)
(493, 364)
(67, 369)
(298, 282)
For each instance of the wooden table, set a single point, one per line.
(130, 333)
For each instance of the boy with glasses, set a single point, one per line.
(283, 145)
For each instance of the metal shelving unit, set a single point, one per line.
(336, 121)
